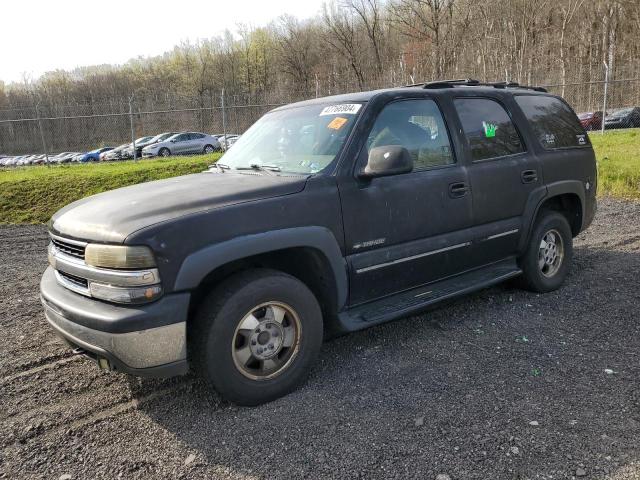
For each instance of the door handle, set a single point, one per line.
(529, 176)
(458, 189)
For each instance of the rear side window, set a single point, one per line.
(554, 124)
(488, 128)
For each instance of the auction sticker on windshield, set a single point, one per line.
(343, 109)
(337, 123)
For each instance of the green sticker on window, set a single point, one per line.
(489, 129)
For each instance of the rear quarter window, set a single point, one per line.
(554, 124)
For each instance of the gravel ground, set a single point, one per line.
(500, 384)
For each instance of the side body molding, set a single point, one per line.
(199, 264)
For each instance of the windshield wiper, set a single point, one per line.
(221, 166)
(261, 168)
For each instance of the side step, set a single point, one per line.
(417, 299)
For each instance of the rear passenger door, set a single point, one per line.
(502, 172)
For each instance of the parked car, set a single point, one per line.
(591, 120)
(93, 155)
(115, 154)
(227, 140)
(309, 225)
(183, 144)
(623, 118)
(39, 159)
(64, 157)
(140, 144)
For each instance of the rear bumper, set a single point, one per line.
(148, 340)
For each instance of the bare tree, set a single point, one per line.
(343, 36)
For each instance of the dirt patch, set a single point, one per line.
(500, 384)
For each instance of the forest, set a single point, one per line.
(354, 45)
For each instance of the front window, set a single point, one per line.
(300, 140)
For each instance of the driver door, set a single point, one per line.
(406, 230)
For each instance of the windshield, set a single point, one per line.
(622, 111)
(296, 140)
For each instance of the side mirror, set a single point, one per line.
(173, 141)
(387, 160)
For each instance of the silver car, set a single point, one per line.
(183, 144)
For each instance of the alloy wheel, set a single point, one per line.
(266, 341)
(550, 253)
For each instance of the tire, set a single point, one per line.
(164, 152)
(208, 149)
(545, 265)
(250, 366)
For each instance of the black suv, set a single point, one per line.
(327, 216)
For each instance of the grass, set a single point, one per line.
(33, 194)
(618, 155)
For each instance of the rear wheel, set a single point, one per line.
(164, 152)
(209, 149)
(256, 336)
(548, 256)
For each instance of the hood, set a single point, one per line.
(114, 215)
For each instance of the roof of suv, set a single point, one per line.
(439, 86)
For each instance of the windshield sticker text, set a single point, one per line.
(343, 109)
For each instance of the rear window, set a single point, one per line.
(554, 124)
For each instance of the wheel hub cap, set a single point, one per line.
(551, 253)
(266, 340)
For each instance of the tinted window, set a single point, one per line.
(195, 136)
(488, 128)
(418, 126)
(182, 137)
(554, 124)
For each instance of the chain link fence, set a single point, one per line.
(80, 128)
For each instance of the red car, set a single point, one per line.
(591, 120)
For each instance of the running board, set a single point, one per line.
(418, 299)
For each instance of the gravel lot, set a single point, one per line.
(500, 384)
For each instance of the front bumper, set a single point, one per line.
(147, 340)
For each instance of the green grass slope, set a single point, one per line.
(618, 154)
(32, 194)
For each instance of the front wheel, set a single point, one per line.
(549, 253)
(256, 336)
(164, 152)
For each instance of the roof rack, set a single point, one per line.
(470, 82)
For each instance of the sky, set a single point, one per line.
(37, 36)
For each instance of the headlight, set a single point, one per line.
(119, 256)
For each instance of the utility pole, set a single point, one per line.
(44, 143)
(604, 103)
(224, 120)
(133, 130)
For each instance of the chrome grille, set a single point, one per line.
(68, 248)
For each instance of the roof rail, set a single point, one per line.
(470, 82)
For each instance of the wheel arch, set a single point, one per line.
(310, 254)
(566, 197)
